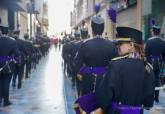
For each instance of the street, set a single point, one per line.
(47, 91)
(43, 92)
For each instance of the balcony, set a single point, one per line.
(17, 5)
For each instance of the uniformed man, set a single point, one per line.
(155, 53)
(91, 64)
(65, 55)
(59, 44)
(84, 30)
(19, 68)
(71, 55)
(93, 57)
(9, 52)
(128, 87)
(106, 35)
(77, 33)
(76, 47)
(29, 50)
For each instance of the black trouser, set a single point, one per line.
(157, 83)
(59, 47)
(28, 69)
(79, 87)
(69, 70)
(19, 71)
(65, 67)
(73, 75)
(4, 87)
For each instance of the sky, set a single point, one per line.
(59, 15)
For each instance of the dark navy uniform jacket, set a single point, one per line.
(73, 51)
(76, 48)
(96, 52)
(22, 48)
(65, 52)
(155, 47)
(29, 48)
(155, 53)
(8, 48)
(128, 82)
(73, 48)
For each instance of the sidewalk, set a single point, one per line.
(70, 96)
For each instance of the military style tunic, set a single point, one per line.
(155, 53)
(155, 49)
(129, 81)
(8, 51)
(96, 53)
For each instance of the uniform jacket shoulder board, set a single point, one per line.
(118, 58)
(149, 65)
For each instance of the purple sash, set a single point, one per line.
(86, 103)
(93, 70)
(156, 57)
(126, 109)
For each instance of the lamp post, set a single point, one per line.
(31, 10)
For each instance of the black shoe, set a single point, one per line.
(13, 85)
(7, 104)
(156, 100)
(19, 86)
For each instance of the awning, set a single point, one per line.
(18, 5)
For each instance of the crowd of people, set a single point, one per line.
(18, 57)
(120, 76)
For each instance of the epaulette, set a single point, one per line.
(118, 58)
(155, 38)
(150, 65)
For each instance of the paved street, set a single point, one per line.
(44, 92)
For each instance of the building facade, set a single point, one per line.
(27, 16)
(137, 14)
(45, 18)
(153, 10)
(83, 11)
(3, 14)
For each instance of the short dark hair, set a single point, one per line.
(156, 30)
(97, 29)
